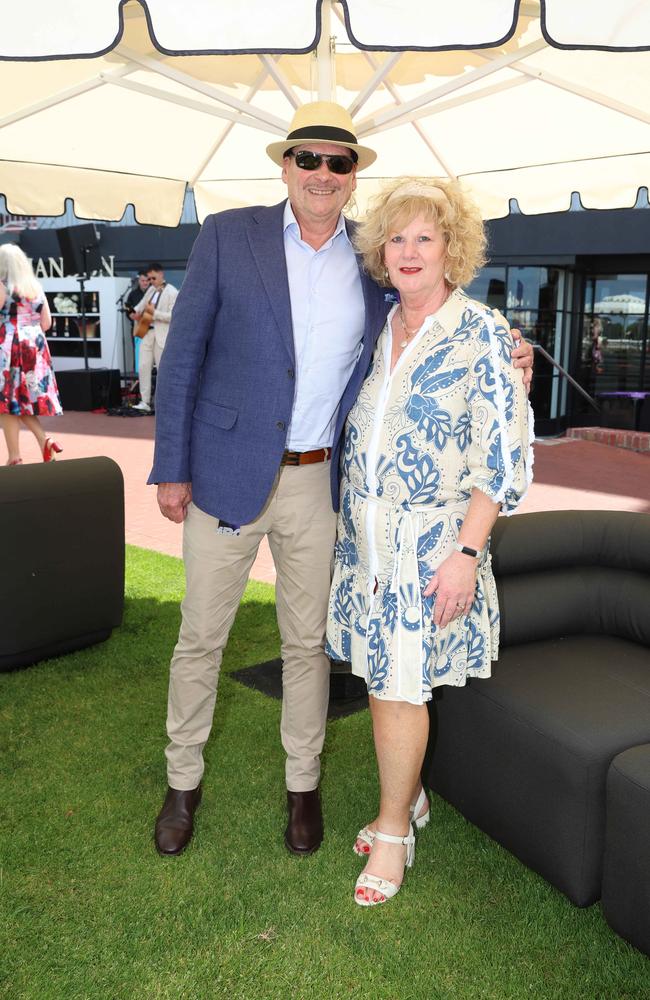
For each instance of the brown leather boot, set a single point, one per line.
(175, 822)
(304, 832)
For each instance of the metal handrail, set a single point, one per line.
(563, 371)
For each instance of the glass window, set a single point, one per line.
(524, 320)
(616, 293)
(489, 286)
(613, 333)
(532, 288)
(532, 300)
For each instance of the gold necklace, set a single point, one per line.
(409, 333)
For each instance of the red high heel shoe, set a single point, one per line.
(50, 448)
(15, 461)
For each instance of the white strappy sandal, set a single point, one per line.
(375, 883)
(367, 836)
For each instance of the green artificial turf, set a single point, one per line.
(90, 911)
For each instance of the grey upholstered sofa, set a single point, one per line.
(525, 755)
(62, 586)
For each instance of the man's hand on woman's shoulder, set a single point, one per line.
(523, 356)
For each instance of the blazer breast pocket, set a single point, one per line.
(215, 414)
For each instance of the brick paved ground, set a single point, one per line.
(568, 474)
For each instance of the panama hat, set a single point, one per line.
(322, 121)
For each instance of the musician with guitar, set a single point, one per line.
(139, 285)
(153, 313)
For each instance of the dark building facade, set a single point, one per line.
(577, 283)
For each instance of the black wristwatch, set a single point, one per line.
(468, 551)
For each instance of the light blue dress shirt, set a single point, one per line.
(328, 314)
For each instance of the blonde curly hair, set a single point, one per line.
(16, 272)
(442, 202)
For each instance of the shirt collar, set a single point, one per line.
(289, 219)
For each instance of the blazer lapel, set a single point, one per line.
(266, 240)
(372, 298)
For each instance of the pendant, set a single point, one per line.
(404, 343)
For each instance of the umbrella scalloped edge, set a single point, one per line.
(42, 189)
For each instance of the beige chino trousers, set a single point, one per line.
(301, 527)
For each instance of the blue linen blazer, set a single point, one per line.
(226, 380)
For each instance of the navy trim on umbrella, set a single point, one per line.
(385, 46)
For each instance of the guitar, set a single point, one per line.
(143, 325)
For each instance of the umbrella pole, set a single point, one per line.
(325, 55)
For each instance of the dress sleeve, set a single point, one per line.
(500, 456)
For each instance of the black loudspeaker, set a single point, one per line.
(91, 389)
(73, 241)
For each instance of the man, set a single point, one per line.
(158, 299)
(272, 335)
(140, 285)
(134, 297)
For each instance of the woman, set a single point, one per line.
(28, 386)
(435, 445)
(597, 344)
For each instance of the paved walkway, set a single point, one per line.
(568, 475)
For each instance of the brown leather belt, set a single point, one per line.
(306, 457)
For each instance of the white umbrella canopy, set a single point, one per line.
(110, 103)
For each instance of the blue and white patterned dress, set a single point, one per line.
(452, 416)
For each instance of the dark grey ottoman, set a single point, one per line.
(626, 875)
(62, 586)
(525, 754)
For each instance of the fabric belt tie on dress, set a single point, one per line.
(306, 457)
(405, 584)
(408, 626)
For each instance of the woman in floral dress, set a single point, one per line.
(436, 444)
(27, 383)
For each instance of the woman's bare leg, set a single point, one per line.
(400, 731)
(34, 425)
(11, 429)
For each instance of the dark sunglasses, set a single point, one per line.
(307, 160)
